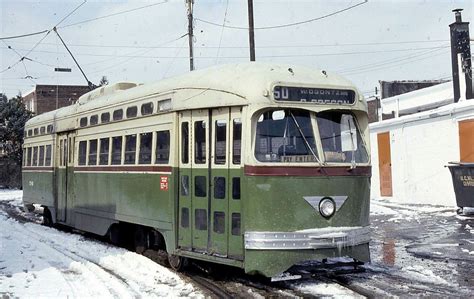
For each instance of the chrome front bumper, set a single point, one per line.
(318, 238)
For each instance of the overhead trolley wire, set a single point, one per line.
(23, 35)
(39, 42)
(222, 31)
(112, 15)
(394, 63)
(264, 56)
(284, 25)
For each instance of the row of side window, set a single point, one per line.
(120, 150)
(220, 128)
(37, 155)
(40, 131)
(200, 221)
(130, 112)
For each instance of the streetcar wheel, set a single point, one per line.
(177, 263)
(140, 240)
(47, 218)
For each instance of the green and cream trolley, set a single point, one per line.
(252, 165)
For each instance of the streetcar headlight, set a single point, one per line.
(327, 207)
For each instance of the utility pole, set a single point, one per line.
(189, 4)
(251, 31)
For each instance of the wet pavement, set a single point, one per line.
(419, 250)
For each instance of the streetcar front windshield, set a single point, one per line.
(340, 138)
(285, 136)
(291, 136)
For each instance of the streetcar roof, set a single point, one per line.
(246, 83)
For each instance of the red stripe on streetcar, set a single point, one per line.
(145, 168)
(307, 171)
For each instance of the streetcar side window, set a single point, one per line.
(49, 128)
(28, 157)
(236, 142)
(47, 161)
(42, 130)
(82, 152)
(35, 131)
(104, 151)
(130, 149)
(105, 117)
(236, 224)
(200, 219)
(200, 186)
(83, 122)
(236, 188)
(185, 143)
(184, 217)
(23, 163)
(118, 114)
(185, 185)
(94, 120)
(162, 147)
(219, 187)
(147, 108)
(41, 155)
(132, 111)
(219, 222)
(116, 150)
(144, 156)
(35, 156)
(92, 152)
(30, 132)
(220, 148)
(200, 142)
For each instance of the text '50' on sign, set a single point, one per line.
(314, 95)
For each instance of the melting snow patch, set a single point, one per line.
(321, 289)
(419, 273)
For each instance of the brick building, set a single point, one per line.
(44, 98)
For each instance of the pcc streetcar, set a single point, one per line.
(252, 165)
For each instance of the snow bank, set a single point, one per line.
(37, 261)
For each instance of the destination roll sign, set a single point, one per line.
(314, 95)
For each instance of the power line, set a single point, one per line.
(133, 57)
(394, 64)
(262, 47)
(264, 56)
(112, 15)
(284, 25)
(67, 16)
(39, 42)
(391, 60)
(222, 31)
(23, 35)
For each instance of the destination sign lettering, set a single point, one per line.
(323, 96)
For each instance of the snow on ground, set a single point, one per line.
(403, 212)
(321, 289)
(37, 261)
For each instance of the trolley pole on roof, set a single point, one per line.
(189, 4)
(251, 31)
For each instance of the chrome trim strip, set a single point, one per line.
(331, 237)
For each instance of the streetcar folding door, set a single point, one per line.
(64, 179)
(209, 176)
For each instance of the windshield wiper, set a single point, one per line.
(304, 138)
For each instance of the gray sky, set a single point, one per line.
(379, 40)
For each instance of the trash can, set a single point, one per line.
(463, 182)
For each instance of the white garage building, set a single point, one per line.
(410, 151)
